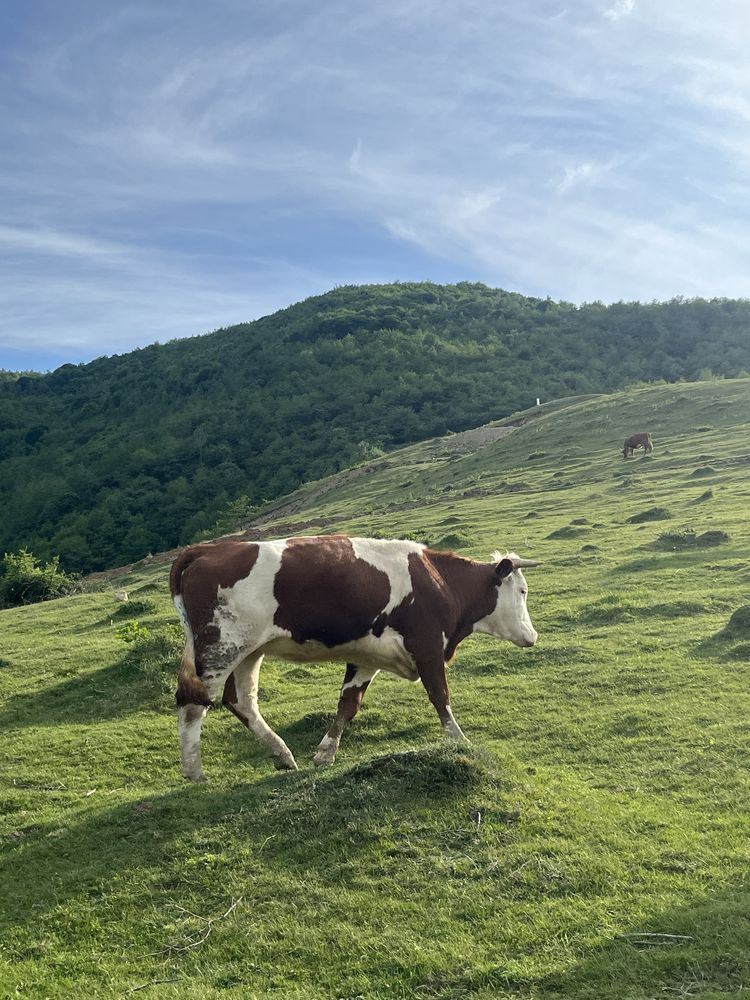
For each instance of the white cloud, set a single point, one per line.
(574, 176)
(621, 8)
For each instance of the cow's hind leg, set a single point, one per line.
(356, 682)
(241, 698)
(190, 721)
(193, 699)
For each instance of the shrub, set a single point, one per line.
(133, 632)
(24, 579)
(153, 652)
(652, 514)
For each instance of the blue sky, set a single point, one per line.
(169, 168)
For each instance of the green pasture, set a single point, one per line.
(592, 842)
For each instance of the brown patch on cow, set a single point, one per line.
(224, 563)
(196, 576)
(325, 593)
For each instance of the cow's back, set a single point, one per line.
(329, 588)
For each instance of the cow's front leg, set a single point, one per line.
(436, 684)
(356, 681)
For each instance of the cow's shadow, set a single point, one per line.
(117, 689)
(372, 726)
(306, 815)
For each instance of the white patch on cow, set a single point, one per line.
(391, 558)
(361, 677)
(451, 727)
(245, 611)
(385, 652)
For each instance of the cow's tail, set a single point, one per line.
(190, 688)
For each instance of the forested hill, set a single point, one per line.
(104, 462)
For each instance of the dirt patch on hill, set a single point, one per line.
(478, 438)
(461, 443)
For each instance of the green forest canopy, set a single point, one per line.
(102, 463)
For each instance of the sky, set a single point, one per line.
(170, 168)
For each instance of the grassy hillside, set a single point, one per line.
(593, 842)
(102, 463)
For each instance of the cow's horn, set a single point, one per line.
(526, 563)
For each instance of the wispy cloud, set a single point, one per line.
(45, 241)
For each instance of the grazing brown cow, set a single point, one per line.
(642, 440)
(375, 604)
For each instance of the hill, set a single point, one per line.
(102, 463)
(591, 843)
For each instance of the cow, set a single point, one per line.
(642, 440)
(374, 604)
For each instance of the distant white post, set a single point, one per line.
(537, 401)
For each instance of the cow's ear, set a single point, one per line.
(504, 568)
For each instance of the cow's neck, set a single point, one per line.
(471, 595)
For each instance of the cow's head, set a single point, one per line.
(510, 620)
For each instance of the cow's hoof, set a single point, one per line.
(323, 758)
(285, 763)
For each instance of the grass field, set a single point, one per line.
(594, 840)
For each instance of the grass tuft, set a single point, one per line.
(738, 626)
(134, 608)
(688, 538)
(568, 531)
(433, 770)
(453, 540)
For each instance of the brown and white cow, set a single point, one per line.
(642, 440)
(377, 605)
